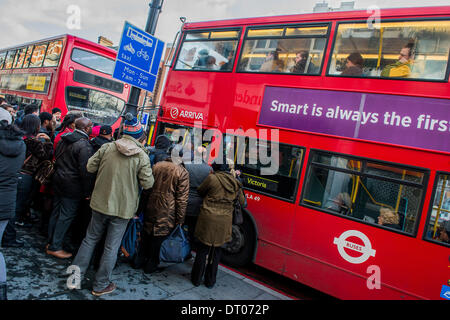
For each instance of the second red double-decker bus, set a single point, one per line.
(356, 112)
(67, 72)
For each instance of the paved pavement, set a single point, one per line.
(33, 275)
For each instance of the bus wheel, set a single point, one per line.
(239, 251)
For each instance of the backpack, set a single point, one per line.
(131, 238)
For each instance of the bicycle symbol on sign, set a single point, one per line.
(143, 54)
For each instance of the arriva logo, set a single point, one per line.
(175, 113)
(365, 250)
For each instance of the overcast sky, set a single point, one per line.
(30, 20)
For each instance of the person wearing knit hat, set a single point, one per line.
(133, 128)
(5, 116)
(121, 168)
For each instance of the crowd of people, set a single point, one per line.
(82, 187)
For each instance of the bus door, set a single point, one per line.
(269, 173)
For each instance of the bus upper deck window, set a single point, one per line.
(292, 50)
(399, 50)
(2, 59)
(208, 50)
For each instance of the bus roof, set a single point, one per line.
(324, 16)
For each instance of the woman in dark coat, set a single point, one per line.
(219, 191)
(12, 156)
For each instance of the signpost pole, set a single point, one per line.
(133, 99)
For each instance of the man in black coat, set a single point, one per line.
(71, 184)
(12, 156)
(198, 171)
(103, 137)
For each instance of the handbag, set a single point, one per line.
(238, 217)
(176, 247)
(46, 169)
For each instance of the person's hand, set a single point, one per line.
(238, 172)
(43, 136)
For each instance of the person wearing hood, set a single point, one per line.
(214, 224)
(71, 184)
(121, 167)
(38, 149)
(166, 208)
(12, 156)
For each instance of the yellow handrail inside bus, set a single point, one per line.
(292, 165)
(438, 212)
(380, 50)
(400, 190)
(313, 202)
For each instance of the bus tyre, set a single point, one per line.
(239, 251)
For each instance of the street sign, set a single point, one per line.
(138, 58)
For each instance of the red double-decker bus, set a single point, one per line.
(67, 72)
(357, 112)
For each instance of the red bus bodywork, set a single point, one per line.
(62, 76)
(297, 241)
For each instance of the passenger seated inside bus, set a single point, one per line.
(342, 203)
(301, 60)
(354, 65)
(401, 68)
(210, 63)
(389, 218)
(228, 66)
(444, 232)
(272, 62)
(202, 59)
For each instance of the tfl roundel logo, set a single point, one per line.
(365, 250)
(174, 112)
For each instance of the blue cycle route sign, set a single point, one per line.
(138, 58)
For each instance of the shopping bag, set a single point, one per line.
(176, 247)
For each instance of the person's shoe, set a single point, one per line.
(61, 254)
(196, 284)
(148, 270)
(12, 244)
(23, 224)
(110, 288)
(209, 286)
